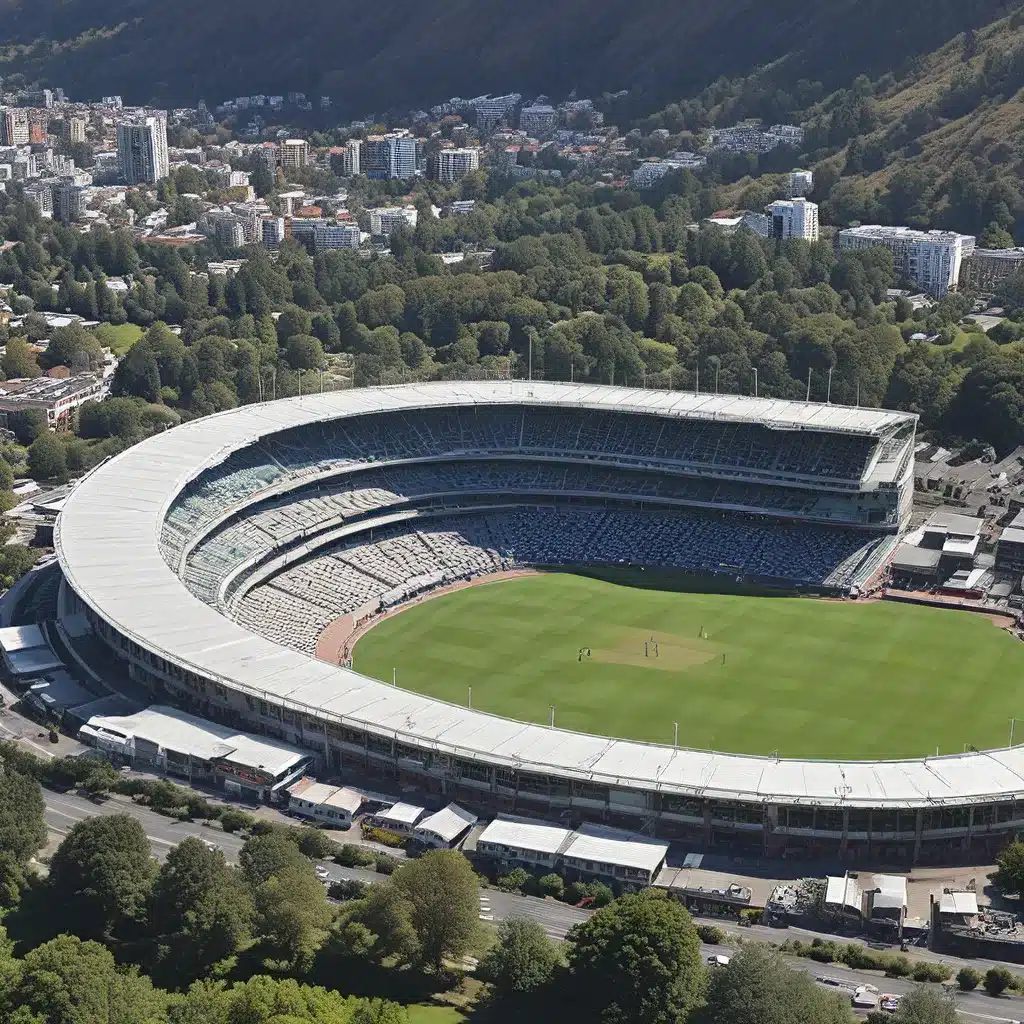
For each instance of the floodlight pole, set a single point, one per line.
(552, 719)
(698, 379)
(675, 734)
(394, 677)
(530, 369)
(471, 698)
(1013, 721)
(828, 394)
(755, 382)
(808, 383)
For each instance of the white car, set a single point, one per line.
(210, 845)
(322, 873)
(719, 960)
(865, 997)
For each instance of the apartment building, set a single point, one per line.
(491, 110)
(390, 157)
(454, 164)
(801, 183)
(272, 232)
(389, 218)
(40, 194)
(351, 161)
(294, 154)
(538, 119)
(983, 269)
(16, 127)
(70, 204)
(793, 218)
(930, 259)
(142, 150)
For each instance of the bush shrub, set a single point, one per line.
(347, 889)
(751, 914)
(575, 892)
(552, 885)
(384, 863)
(968, 979)
(383, 836)
(232, 820)
(997, 980)
(352, 856)
(514, 880)
(600, 893)
(927, 970)
(711, 934)
(316, 845)
(897, 967)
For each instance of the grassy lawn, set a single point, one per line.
(804, 677)
(119, 338)
(421, 1013)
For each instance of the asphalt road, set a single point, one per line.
(64, 810)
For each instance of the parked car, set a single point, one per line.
(889, 1002)
(322, 873)
(718, 960)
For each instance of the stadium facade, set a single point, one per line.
(211, 557)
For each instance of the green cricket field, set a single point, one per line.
(740, 673)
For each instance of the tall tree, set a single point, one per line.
(758, 987)
(101, 875)
(201, 911)
(444, 898)
(522, 961)
(22, 829)
(636, 960)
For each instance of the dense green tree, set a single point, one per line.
(292, 913)
(73, 347)
(47, 459)
(101, 875)
(68, 981)
(22, 828)
(926, 1006)
(19, 360)
(637, 959)
(304, 352)
(200, 911)
(758, 987)
(522, 961)
(1009, 873)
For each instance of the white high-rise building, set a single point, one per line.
(294, 154)
(930, 259)
(386, 219)
(793, 218)
(538, 119)
(801, 183)
(390, 157)
(351, 162)
(142, 150)
(41, 195)
(455, 164)
(16, 127)
(272, 232)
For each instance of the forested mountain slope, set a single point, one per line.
(395, 53)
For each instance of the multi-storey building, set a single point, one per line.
(793, 218)
(390, 157)
(142, 150)
(272, 232)
(336, 236)
(294, 154)
(454, 164)
(983, 269)
(74, 129)
(389, 218)
(801, 183)
(41, 195)
(16, 127)
(753, 137)
(351, 161)
(930, 259)
(70, 202)
(538, 119)
(492, 110)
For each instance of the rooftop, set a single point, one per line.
(525, 834)
(175, 730)
(613, 846)
(447, 823)
(107, 539)
(404, 814)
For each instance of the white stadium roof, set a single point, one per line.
(108, 541)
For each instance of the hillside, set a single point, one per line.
(392, 53)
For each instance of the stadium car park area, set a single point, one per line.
(211, 557)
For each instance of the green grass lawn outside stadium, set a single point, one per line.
(804, 677)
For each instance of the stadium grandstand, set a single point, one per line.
(212, 557)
